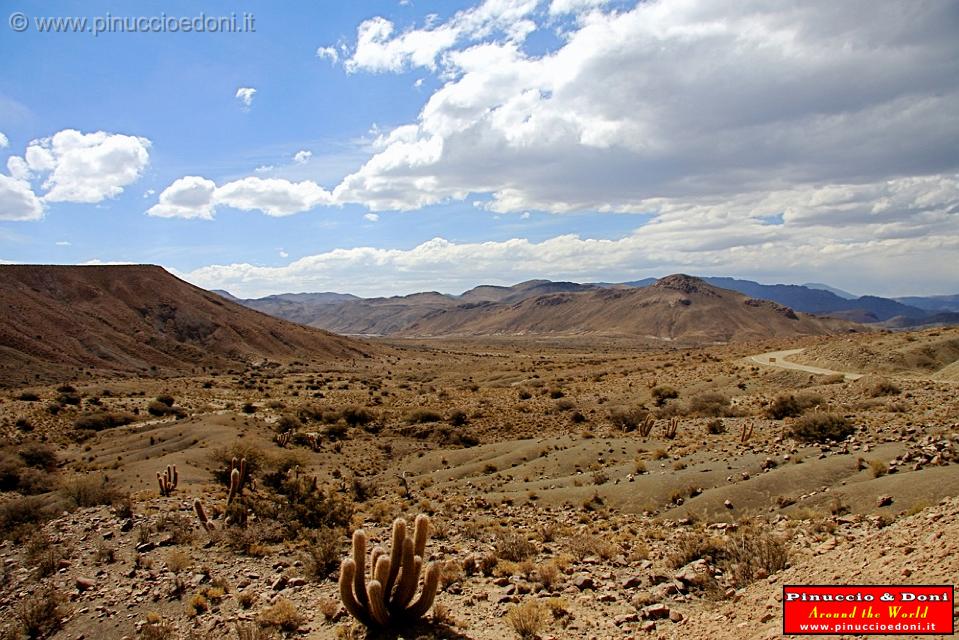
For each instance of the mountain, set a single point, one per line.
(521, 291)
(932, 303)
(818, 301)
(295, 307)
(826, 287)
(676, 308)
(133, 319)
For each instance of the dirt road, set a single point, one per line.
(778, 359)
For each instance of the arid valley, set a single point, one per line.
(605, 486)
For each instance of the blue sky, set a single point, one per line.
(443, 145)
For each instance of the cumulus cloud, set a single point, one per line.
(71, 166)
(17, 200)
(197, 197)
(302, 157)
(379, 48)
(83, 167)
(187, 197)
(372, 217)
(4, 142)
(245, 96)
(883, 237)
(676, 100)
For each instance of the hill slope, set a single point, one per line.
(130, 319)
(677, 307)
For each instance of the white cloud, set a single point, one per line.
(265, 168)
(379, 49)
(196, 197)
(4, 142)
(187, 197)
(372, 217)
(273, 197)
(63, 243)
(302, 157)
(18, 168)
(328, 53)
(245, 96)
(149, 193)
(670, 99)
(83, 167)
(882, 237)
(17, 200)
(561, 7)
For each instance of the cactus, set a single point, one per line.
(201, 514)
(238, 478)
(283, 439)
(746, 433)
(387, 601)
(670, 429)
(167, 480)
(646, 426)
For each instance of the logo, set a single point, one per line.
(868, 609)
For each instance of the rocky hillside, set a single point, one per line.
(62, 320)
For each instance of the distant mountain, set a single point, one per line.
(59, 320)
(822, 302)
(676, 308)
(932, 303)
(347, 314)
(295, 307)
(826, 287)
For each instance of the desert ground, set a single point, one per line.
(554, 513)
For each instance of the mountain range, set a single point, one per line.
(420, 313)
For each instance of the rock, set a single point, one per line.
(727, 504)
(632, 582)
(279, 584)
(655, 612)
(625, 618)
(676, 616)
(582, 582)
(83, 584)
(884, 501)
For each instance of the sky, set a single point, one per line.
(388, 147)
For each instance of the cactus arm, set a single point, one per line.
(419, 608)
(378, 610)
(359, 557)
(421, 531)
(396, 557)
(347, 573)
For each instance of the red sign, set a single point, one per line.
(868, 609)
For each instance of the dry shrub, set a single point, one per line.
(322, 552)
(821, 427)
(628, 419)
(102, 420)
(792, 406)
(527, 619)
(711, 404)
(883, 388)
(746, 555)
(90, 491)
(40, 615)
(283, 616)
(583, 546)
(514, 546)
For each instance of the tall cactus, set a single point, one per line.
(387, 600)
(167, 480)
